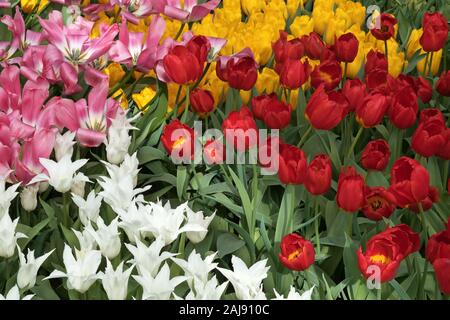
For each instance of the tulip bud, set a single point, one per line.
(318, 175)
(202, 101)
(78, 184)
(424, 89)
(346, 47)
(428, 139)
(435, 32)
(182, 66)
(314, 46)
(328, 73)
(292, 164)
(287, 50)
(117, 145)
(372, 110)
(375, 155)
(64, 144)
(443, 84)
(296, 252)
(28, 197)
(242, 74)
(350, 193)
(197, 218)
(294, 74)
(43, 186)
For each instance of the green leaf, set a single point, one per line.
(181, 181)
(228, 243)
(399, 290)
(285, 214)
(246, 203)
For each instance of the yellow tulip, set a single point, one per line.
(251, 6)
(122, 98)
(115, 73)
(435, 64)
(413, 42)
(396, 61)
(29, 5)
(293, 5)
(143, 98)
(302, 26)
(268, 81)
(354, 67)
(321, 19)
(335, 28)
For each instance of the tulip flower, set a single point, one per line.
(201, 101)
(444, 152)
(424, 89)
(178, 140)
(196, 268)
(296, 252)
(285, 50)
(6, 196)
(198, 219)
(403, 108)
(435, 31)
(214, 152)
(372, 110)
(28, 197)
(14, 293)
(375, 155)
(350, 191)
(159, 287)
(181, 66)
(429, 139)
(384, 29)
(240, 129)
(441, 267)
(427, 203)
(294, 74)
(275, 114)
(132, 50)
(292, 165)
(438, 253)
(318, 175)
(29, 267)
(191, 11)
(375, 60)
(8, 235)
(81, 269)
(64, 145)
(428, 114)
(354, 91)
(379, 203)
(239, 70)
(385, 251)
(443, 84)
(89, 209)
(107, 237)
(134, 11)
(328, 73)
(20, 34)
(326, 110)
(314, 46)
(410, 182)
(376, 81)
(211, 290)
(346, 47)
(247, 282)
(115, 282)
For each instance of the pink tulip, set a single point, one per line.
(17, 27)
(133, 10)
(132, 50)
(191, 11)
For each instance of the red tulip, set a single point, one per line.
(326, 110)
(296, 253)
(292, 163)
(410, 182)
(379, 204)
(214, 152)
(375, 60)
(385, 30)
(428, 139)
(314, 46)
(444, 152)
(441, 267)
(294, 74)
(268, 153)
(355, 91)
(443, 84)
(372, 110)
(277, 114)
(376, 81)
(182, 65)
(375, 155)
(438, 245)
(346, 47)
(286, 50)
(240, 129)
(318, 175)
(202, 101)
(435, 32)
(200, 47)
(328, 73)
(259, 104)
(386, 250)
(424, 89)
(432, 114)
(403, 109)
(350, 192)
(239, 70)
(178, 140)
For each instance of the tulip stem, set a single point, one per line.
(186, 110)
(430, 67)
(175, 110)
(316, 223)
(66, 209)
(180, 31)
(304, 137)
(355, 141)
(424, 222)
(423, 280)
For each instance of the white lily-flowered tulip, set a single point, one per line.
(14, 294)
(79, 184)
(196, 268)
(64, 144)
(115, 282)
(166, 222)
(148, 259)
(119, 140)
(211, 290)
(81, 271)
(8, 236)
(294, 295)
(128, 168)
(28, 197)
(29, 267)
(197, 218)
(89, 209)
(86, 240)
(159, 287)
(60, 174)
(6, 196)
(247, 282)
(133, 220)
(107, 237)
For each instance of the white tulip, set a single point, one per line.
(14, 294)
(89, 209)
(133, 220)
(148, 259)
(81, 272)
(6, 196)
(60, 174)
(118, 140)
(64, 145)
(294, 295)
(211, 290)
(160, 287)
(107, 237)
(8, 236)
(79, 184)
(86, 240)
(247, 282)
(197, 218)
(29, 267)
(115, 282)
(28, 197)
(196, 268)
